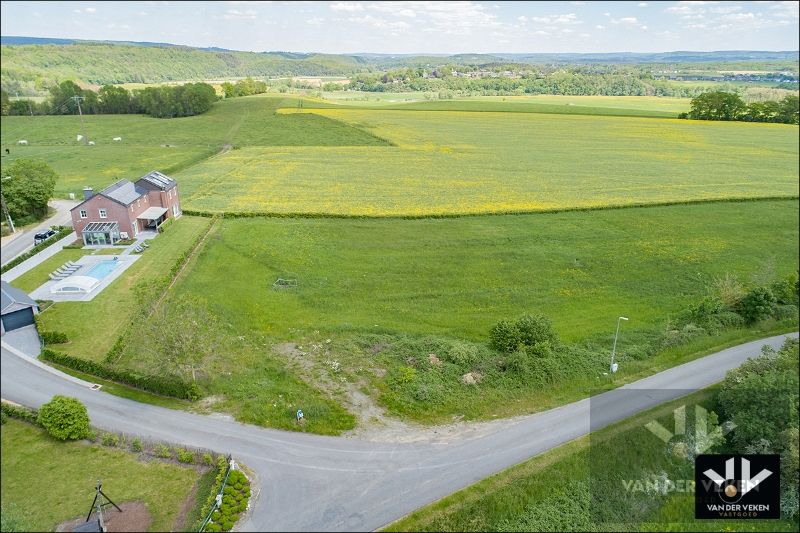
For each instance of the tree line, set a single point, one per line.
(160, 102)
(245, 87)
(720, 105)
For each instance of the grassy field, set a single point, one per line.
(464, 156)
(44, 492)
(458, 276)
(464, 162)
(164, 144)
(38, 275)
(551, 492)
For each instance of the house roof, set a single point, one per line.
(9, 296)
(156, 179)
(152, 213)
(124, 192)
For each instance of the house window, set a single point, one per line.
(84, 214)
(103, 213)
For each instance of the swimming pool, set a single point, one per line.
(102, 269)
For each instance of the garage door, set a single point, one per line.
(18, 319)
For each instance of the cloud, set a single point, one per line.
(89, 10)
(379, 23)
(625, 20)
(398, 9)
(235, 14)
(349, 7)
(316, 21)
(642, 4)
(600, 27)
(142, 13)
(569, 18)
(578, 3)
(786, 10)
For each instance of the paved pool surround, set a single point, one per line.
(88, 263)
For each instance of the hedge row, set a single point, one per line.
(62, 232)
(164, 385)
(19, 412)
(271, 214)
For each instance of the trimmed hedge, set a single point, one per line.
(21, 413)
(54, 337)
(62, 232)
(164, 385)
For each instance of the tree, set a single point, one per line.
(62, 97)
(717, 105)
(4, 102)
(114, 100)
(790, 110)
(30, 187)
(757, 304)
(181, 337)
(228, 88)
(65, 418)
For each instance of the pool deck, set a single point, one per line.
(86, 262)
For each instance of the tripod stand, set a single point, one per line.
(98, 504)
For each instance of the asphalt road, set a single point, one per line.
(315, 483)
(24, 242)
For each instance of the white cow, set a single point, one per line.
(91, 143)
(117, 139)
(23, 142)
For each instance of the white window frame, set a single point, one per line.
(83, 213)
(103, 213)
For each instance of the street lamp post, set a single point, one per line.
(5, 207)
(614, 365)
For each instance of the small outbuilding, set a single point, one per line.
(17, 309)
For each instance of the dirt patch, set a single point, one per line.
(134, 517)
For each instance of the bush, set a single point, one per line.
(65, 418)
(535, 329)
(53, 337)
(504, 336)
(110, 439)
(184, 456)
(3, 418)
(785, 311)
(208, 459)
(136, 445)
(211, 526)
(785, 290)
(227, 525)
(163, 451)
(757, 304)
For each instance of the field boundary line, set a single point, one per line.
(636, 205)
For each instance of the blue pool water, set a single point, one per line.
(102, 269)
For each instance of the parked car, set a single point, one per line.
(43, 235)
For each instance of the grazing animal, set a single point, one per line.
(91, 143)
(8, 151)
(23, 142)
(117, 138)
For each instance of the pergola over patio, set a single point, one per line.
(153, 216)
(101, 233)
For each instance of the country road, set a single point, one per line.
(308, 482)
(24, 242)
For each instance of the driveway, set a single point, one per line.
(11, 248)
(313, 483)
(26, 340)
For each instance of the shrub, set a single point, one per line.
(757, 304)
(215, 516)
(136, 445)
(65, 418)
(3, 418)
(22, 413)
(227, 525)
(110, 439)
(785, 290)
(211, 526)
(208, 459)
(535, 329)
(463, 354)
(504, 336)
(54, 337)
(785, 311)
(184, 456)
(163, 451)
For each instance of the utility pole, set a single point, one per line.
(614, 365)
(83, 128)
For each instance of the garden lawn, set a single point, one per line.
(455, 162)
(92, 327)
(457, 277)
(551, 492)
(35, 277)
(47, 482)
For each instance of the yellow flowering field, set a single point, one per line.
(449, 162)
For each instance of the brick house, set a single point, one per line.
(124, 209)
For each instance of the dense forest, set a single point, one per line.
(31, 69)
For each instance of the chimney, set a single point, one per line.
(88, 192)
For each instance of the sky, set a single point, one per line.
(419, 27)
